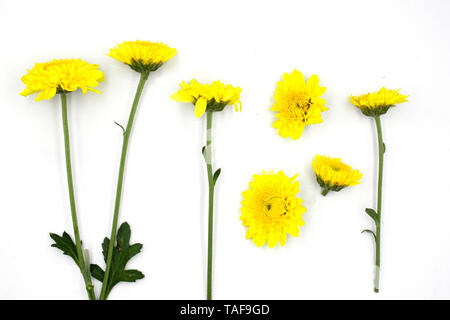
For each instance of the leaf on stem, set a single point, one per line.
(123, 129)
(372, 213)
(97, 272)
(204, 152)
(370, 231)
(216, 175)
(122, 253)
(66, 245)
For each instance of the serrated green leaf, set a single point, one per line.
(372, 213)
(123, 236)
(122, 253)
(216, 175)
(131, 275)
(97, 272)
(105, 247)
(133, 250)
(66, 245)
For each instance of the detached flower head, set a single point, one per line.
(208, 97)
(142, 56)
(377, 103)
(298, 104)
(271, 210)
(334, 175)
(61, 76)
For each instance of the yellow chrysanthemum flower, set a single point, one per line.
(271, 210)
(298, 104)
(142, 56)
(61, 75)
(208, 97)
(334, 175)
(377, 103)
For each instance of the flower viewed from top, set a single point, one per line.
(377, 103)
(271, 210)
(298, 104)
(142, 56)
(61, 76)
(208, 97)
(334, 175)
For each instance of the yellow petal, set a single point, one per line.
(51, 93)
(181, 96)
(298, 76)
(46, 94)
(26, 92)
(40, 96)
(313, 82)
(298, 132)
(200, 107)
(273, 241)
(94, 90)
(293, 231)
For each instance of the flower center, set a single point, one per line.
(274, 207)
(335, 168)
(299, 105)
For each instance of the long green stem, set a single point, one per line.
(82, 265)
(208, 158)
(126, 138)
(381, 150)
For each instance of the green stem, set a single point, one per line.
(381, 150)
(208, 158)
(126, 138)
(82, 266)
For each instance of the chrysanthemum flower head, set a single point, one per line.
(61, 76)
(271, 210)
(142, 56)
(298, 104)
(377, 103)
(334, 175)
(208, 97)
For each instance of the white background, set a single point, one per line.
(353, 46)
